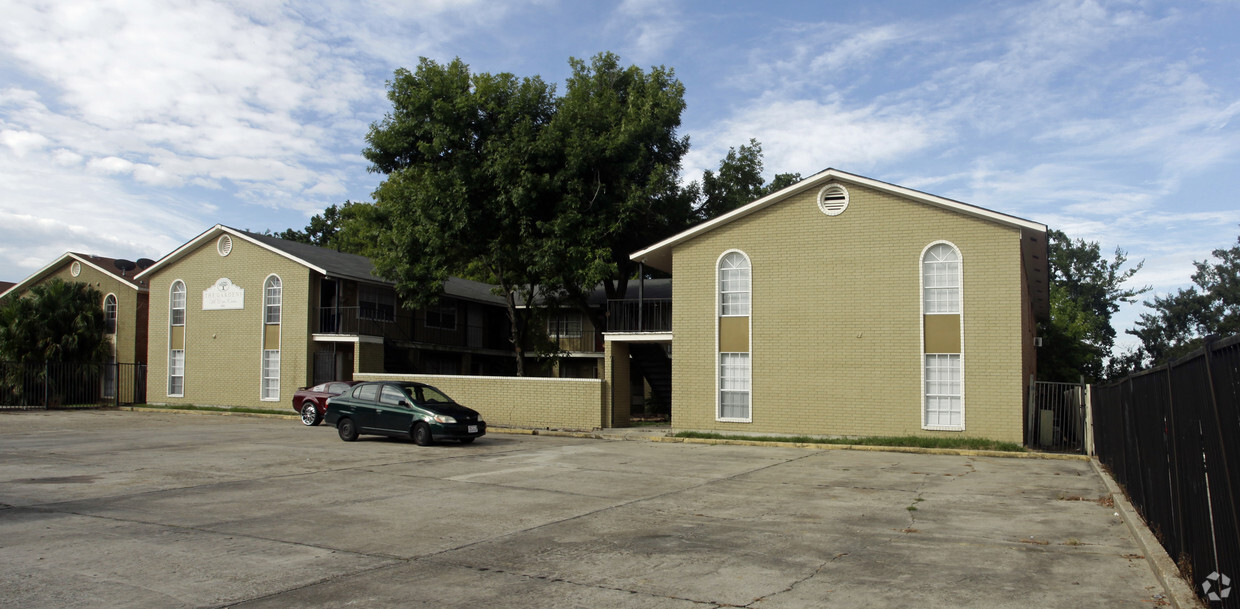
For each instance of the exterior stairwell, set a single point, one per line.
(655, 366)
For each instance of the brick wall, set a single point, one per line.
(836, 319)
(223, 349)
(518, 401)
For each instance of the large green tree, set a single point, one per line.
(56, 321)
(1086, 291)
(468, 180)
(1180, 321)
(351, 228)
(617, 177)
(737, 182)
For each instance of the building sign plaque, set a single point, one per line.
(222, 296)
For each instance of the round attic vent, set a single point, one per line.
(224, 245)
(833, 199)
(75, 269)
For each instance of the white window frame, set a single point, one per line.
(948, 295)
(172, 303)
(719, 356)
(273, 295)
(173, 368)
(728, 362)
(736, 309)
(269, 385)
(925, 359)
(939, 387)
(109, 313)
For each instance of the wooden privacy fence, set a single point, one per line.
(1171, 438)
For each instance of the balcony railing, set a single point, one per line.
(355, 321)
(648, 315)
(583, 341)
(366, 321)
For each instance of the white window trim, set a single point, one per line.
(266, 283)
(185, 315)
(921, 357)
(168, 387)
(262, 347)
(116, 307)
(262, 375)
(184, 341)
(718, 355)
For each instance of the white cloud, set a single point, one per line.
(651, 27)
(22, 142)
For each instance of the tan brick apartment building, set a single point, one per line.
(124, 303)
(844, 305)
(243, 319)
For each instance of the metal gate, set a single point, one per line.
(1056, 419)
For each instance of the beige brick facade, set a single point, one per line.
(224, 348)
(519, 401)
(836, 318)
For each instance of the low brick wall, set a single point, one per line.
(510, 401)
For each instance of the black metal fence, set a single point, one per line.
(67, 384)
(1056, 417)
(1171, 437)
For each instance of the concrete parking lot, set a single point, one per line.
(120, 509)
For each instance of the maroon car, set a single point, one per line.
(311, 402)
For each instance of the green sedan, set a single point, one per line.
(404, 410)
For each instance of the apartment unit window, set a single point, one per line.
(943, 391)
(564, 325)
(734, 284)
(271, 300)
(109, 314)
(442, 317)
(176, 373)
(375, 303)
(176, 304)
(942, 338)
(732, 338)
(734, 386)
(941, 279)
(271, 374)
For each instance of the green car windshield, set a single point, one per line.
(424, 394)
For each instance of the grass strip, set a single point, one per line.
(910, 441)
(212, 409)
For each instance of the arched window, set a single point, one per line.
(734, 288)
(943, 371)
(176, 339)
(941, 279)
(109, 313)
(176, 304)
(271, 300)
(734, 284)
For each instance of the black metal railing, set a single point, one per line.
(69, 384)
(1056, 417)
(646, 315)
(587, 341)
(1171, 438)
(356, 321)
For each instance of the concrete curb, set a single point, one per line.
(1179, 592)
(222, 413)
(870, 448)
(603, 435)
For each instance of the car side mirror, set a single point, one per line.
(403, 404)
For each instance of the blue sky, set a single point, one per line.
(127, 127)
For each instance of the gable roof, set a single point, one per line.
(325, 261)
(1033, 234)
(102, 264)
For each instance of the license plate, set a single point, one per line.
(472, 429)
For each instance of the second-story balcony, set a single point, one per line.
(645, 315)
(356, 321)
